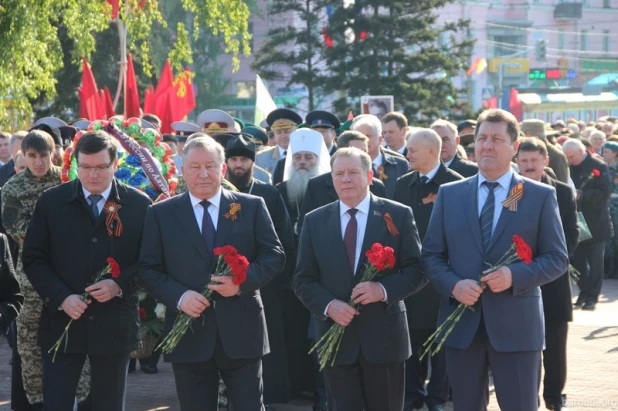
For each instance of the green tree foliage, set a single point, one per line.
(297, 49)
(31, 31)
(406, 53)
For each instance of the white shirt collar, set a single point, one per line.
(363, 206)
(281, 151)
(105, 192)
(504, 180)
(432, 173)
(378, 160)
(214, 200)
(448, 163)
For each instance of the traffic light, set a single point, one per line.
(541, 50)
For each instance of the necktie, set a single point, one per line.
(375, 171)
(424, 180)
(94, 200)
(487, 214)
(208, 228)
(285, 153)
(349, 238)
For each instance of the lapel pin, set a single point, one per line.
(517, 192)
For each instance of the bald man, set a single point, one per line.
(418, 190)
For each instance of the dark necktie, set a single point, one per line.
(285, 153)
(349, 238)
(208, 228)
(424, 180)
(487, 214)
(375, 171)
(94, 200)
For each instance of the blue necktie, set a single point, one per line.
(208, 228)
(94, 200)
(487, 215)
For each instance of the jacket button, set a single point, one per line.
(47, 299)
(95, 240)
(91, 317)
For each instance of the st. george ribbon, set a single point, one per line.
(148, 164)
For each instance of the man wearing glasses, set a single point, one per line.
(75, 228)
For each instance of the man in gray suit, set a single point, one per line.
(470, 230)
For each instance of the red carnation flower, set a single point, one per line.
(113, 267)
(596, 172)
(225, 250)
(381, 257)
(142, 313)
(523, 250)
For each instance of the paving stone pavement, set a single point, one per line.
(592, 380)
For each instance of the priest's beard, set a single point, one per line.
(297, 184)
(240, 181)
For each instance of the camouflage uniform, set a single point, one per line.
(182, 186)
(611, 246)
(19, 197)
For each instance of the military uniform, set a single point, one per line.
(19, 197)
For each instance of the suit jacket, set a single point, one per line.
(423, 306)
(381, 329)
(174, 259)
(558, 163)
(65, 248)
(557, 304)
(464, 167)
(267, 158)
(395, 165)
(594, 196)
(7, 171)
(321, 191)
(453, 251)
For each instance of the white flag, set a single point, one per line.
(264, 103)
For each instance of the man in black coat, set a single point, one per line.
(368, 371)
(228, 337)
(449, 155)
(75, 228)
(591, 178)
(532, 156)
(321, 191)
(239, 158)
(418, 190)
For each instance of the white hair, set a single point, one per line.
(447, 125)
(429, 137)
(368, 120)
(208, 144)
(574, 144)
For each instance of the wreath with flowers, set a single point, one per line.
(157, 181)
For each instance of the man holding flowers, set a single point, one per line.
(473, 224)
(360, 234)
(185, 239)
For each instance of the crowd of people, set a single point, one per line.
(303, 201)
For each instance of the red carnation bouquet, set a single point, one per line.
(519, 250)
(379, 258)
(112, 269)
(229, 264)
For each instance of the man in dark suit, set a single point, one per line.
(369, 366)
(394, 130)
(177, 262)
(591, 178)
(449, 156)
(8, 170)
(321, 191)
(472, 226)
(387, 165)
(71, 234)
(239, 157)
(418, 191)
(532, 156)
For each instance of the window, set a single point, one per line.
(606, 39)
(561, 39)
(584, 40)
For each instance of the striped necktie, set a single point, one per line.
(487, 214)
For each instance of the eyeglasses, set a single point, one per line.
(98, 169)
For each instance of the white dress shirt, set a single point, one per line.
(500, 194)
(448, 163)
(431, 174)
(282, 151)
(102, 201)
(377, 162)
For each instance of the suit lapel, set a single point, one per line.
(471, 207)
(224, 224)
(506, 214)
(374, 220)
(186, 219)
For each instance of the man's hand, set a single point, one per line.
(74, 307)
(499, 280)
(467, 292)
(341, 313)
(104, 290)
(226, 287)
(367, 293)
(193, 304)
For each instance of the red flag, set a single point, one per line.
(491, 103)
(149, 102)
(107, 103)
(184, 94)
(328, 40)
(473, 66)
(131, 100)
(515, 106)
(165, 80)
(165, 108)
(115, 8)
(90, 106)
(350, 115)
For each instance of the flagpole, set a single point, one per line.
(122, 77)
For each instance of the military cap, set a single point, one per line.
(469, 148)
(215, 121)
(283, 118)
(54, 132)
(240, 146)
(169, 138)
(345, 126)
(239, 124)
(533, 126)
(322, 119)
(466, 139)
(612, 145)
(147, 124)
(466, 124)
(184, 129)
(258, 135)
(81, 124)
(50, 121)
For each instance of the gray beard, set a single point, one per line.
(297, 184)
